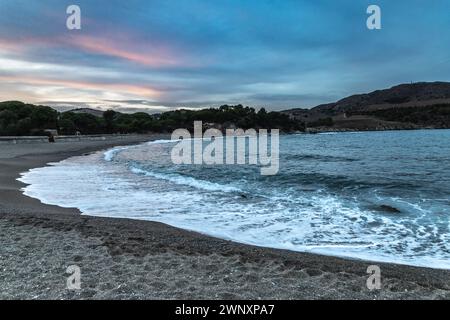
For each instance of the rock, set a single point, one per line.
(390, 209)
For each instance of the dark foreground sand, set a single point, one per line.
(126, 259)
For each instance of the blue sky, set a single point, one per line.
(157, 55)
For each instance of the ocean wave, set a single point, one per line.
(162, 141)
(185, 180)
(317, 157)
(112, 153)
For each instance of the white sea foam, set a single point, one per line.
(188, 181)
(163, 141)
(112, 153)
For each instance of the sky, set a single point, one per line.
(159, 55)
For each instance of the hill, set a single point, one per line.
(94, 112)
(405, 106)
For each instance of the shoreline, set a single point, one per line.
(343, 130)
(135, 259)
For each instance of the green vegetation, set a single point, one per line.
(230, 116)
(325, 122)
(436, 116)
(71, 123)
(18, 118)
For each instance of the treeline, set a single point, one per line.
(18, 118)
(227, 116)
(435, 116)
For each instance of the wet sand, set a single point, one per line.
(129, 259)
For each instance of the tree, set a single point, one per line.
(109, 117)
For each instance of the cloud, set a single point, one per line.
(196, 53)
(120, 106)
(115, 87)
(149, 57)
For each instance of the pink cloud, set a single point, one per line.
(24, 44)
(125, 46)
(153, 57)
(142, 91)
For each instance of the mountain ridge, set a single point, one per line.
(376, 110)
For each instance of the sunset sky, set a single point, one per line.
(156, 55)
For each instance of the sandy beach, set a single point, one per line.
(129, 259)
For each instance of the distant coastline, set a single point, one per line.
(423, 105)
(335, 130)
